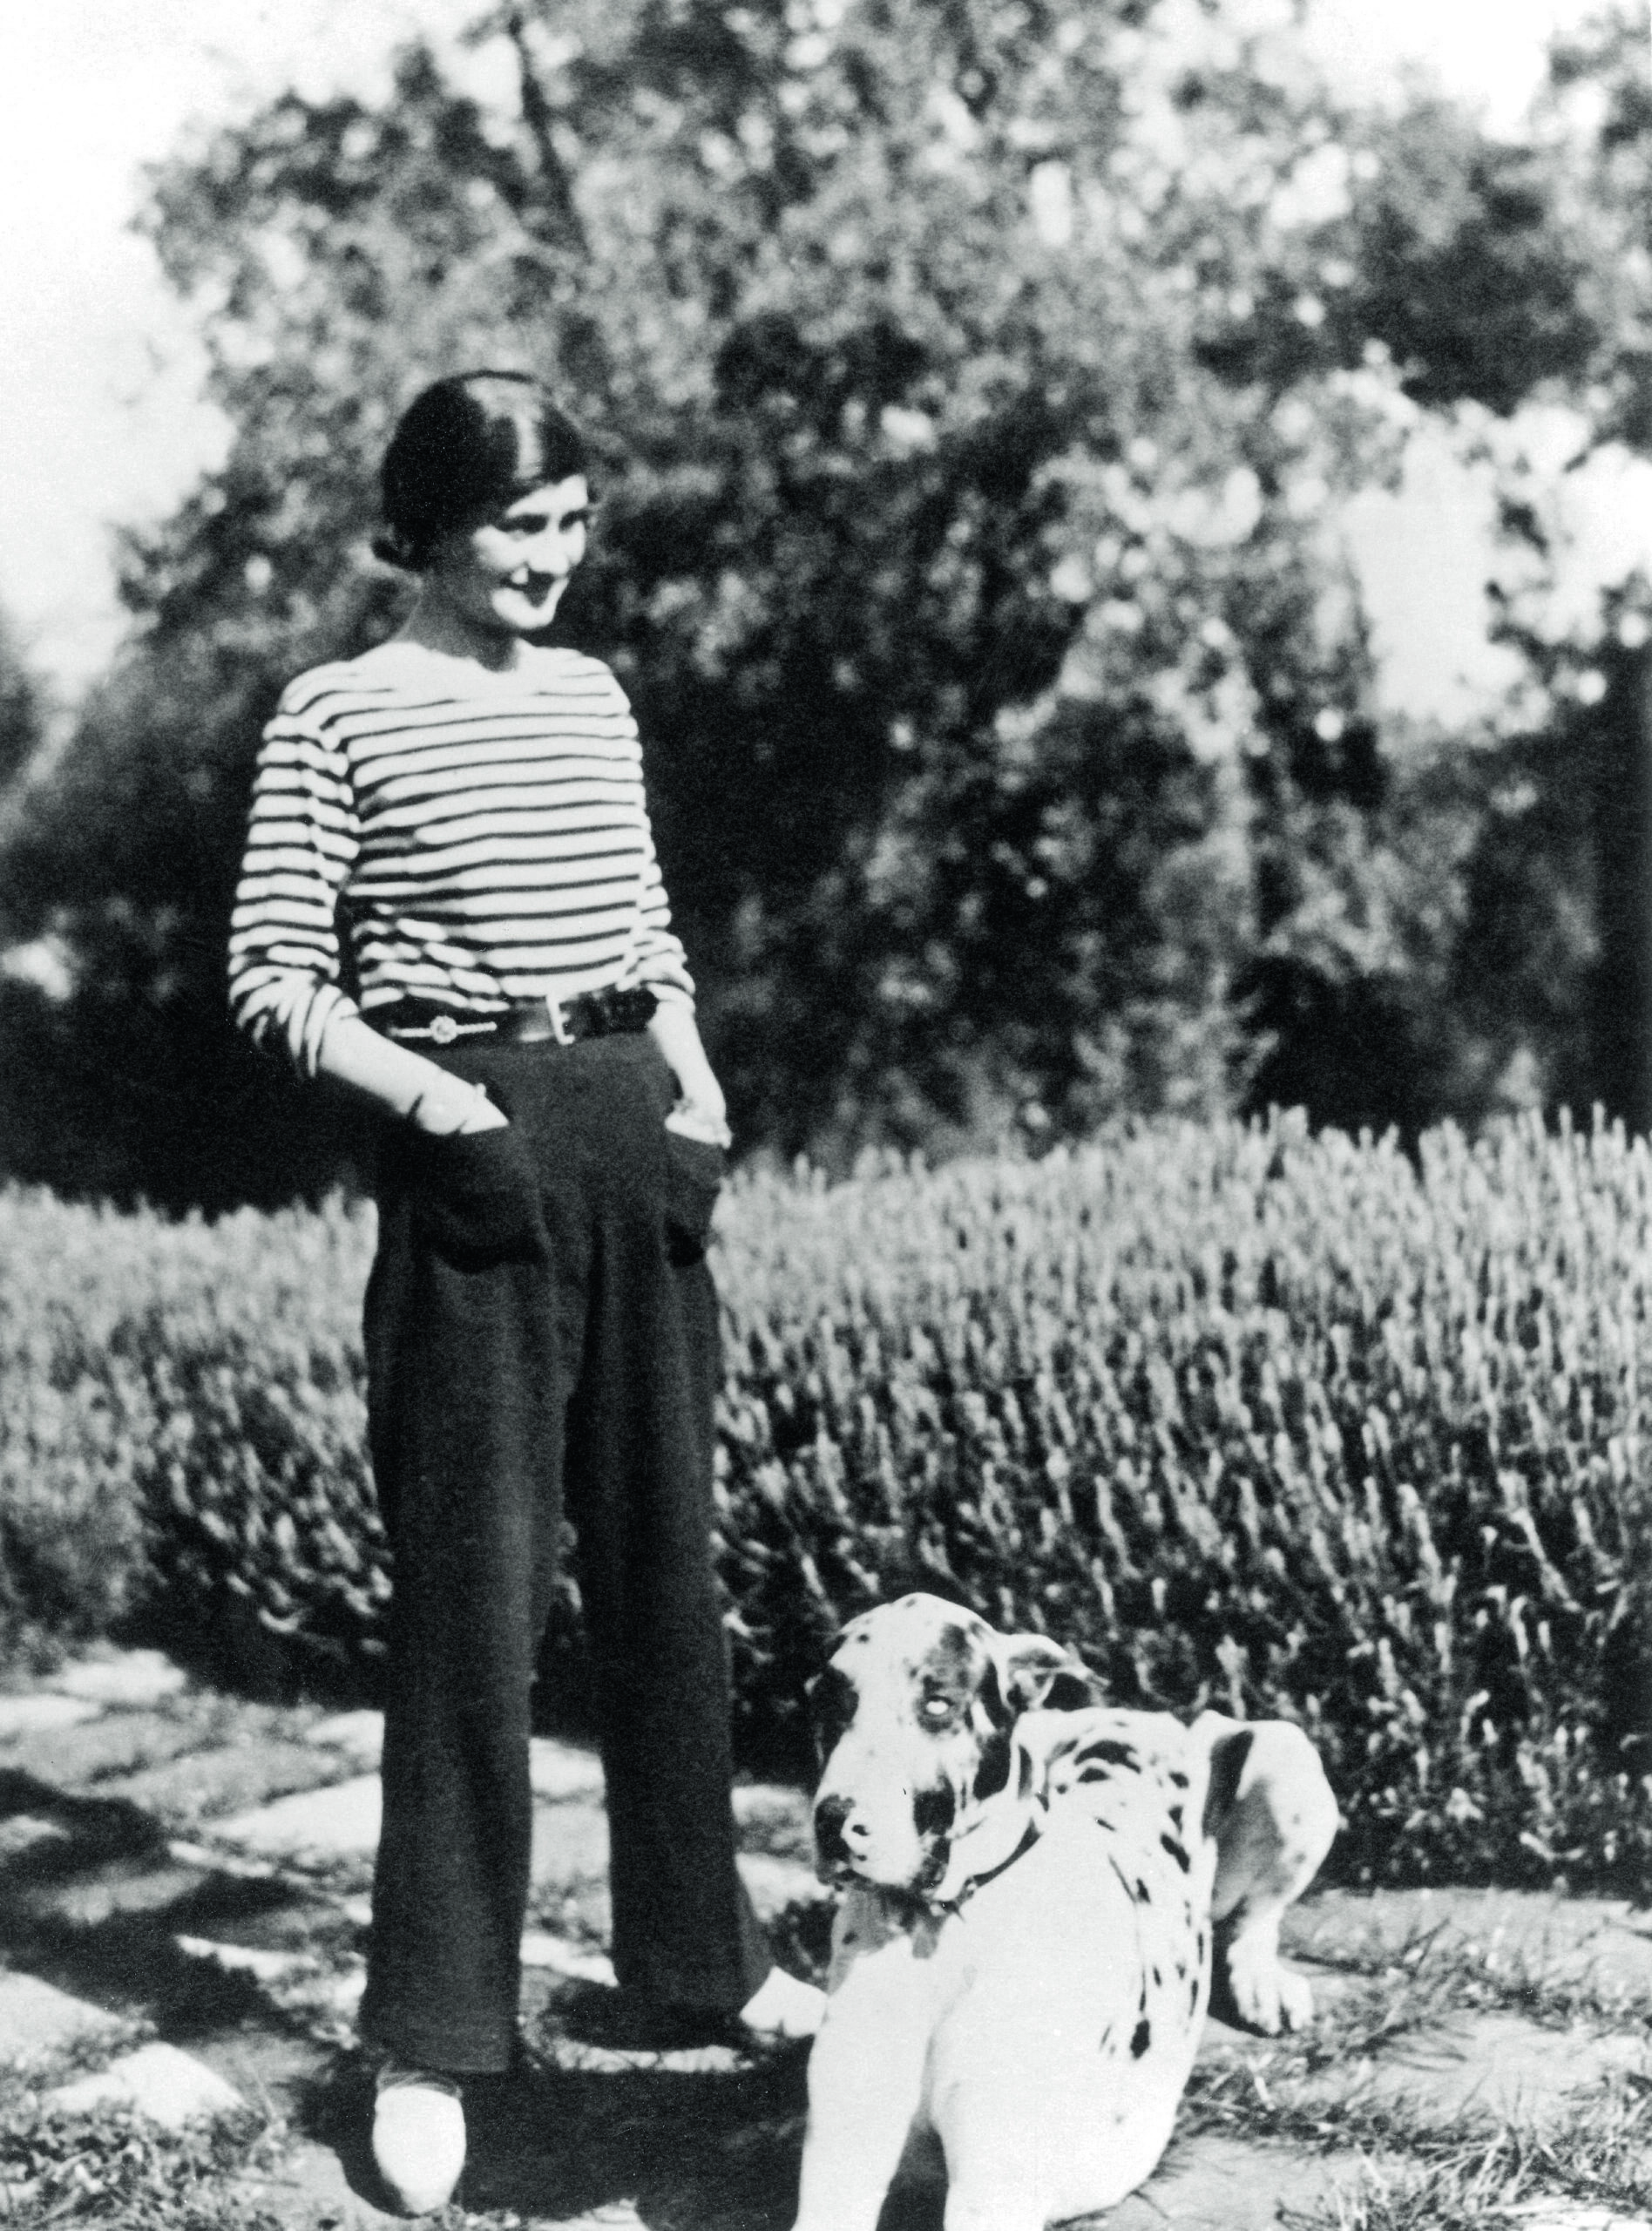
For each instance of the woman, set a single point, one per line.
(541, 1324)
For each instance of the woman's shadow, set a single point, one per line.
(690, 2147)
(695, 2149)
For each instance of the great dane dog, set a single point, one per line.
(1042, 1895)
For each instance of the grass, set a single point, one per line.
(113, 2168)
(117, 2168)
(1478, 1974)
(712, 2132)
(1475, 2174)
(1458, 2172)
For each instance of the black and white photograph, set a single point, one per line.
(826, 1115)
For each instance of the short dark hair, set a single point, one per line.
(466, 446)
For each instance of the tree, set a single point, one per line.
(987, 378)
(1612, 198)
(1577, 777)
(22, 710)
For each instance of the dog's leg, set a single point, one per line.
(1271, 1812)
(866, 2069)
(997, 2141)
(993, 2195)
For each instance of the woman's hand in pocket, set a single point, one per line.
(484, 1116)
(477, 1194)
(692, 1120)
(449, 1107)
(694, 1170)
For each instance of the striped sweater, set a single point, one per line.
(487, 834)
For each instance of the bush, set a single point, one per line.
(1255, 1419)
(182, 1424)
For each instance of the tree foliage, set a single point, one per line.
(23, 709)
(977, 385)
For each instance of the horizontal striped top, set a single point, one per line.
(487, 834)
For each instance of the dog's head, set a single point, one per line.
(916, 1718)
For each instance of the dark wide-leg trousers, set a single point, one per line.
(580, 1373)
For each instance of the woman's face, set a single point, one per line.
(506, 576)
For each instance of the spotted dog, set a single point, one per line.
(1042, 1895)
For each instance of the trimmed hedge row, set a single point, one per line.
(1269, 1422)
(182, 1418)
(1254, 1419)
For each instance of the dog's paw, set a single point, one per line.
(1250, 1988)
(1296, 2001)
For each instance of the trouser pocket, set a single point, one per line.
(695, 1170)
(476, 1196)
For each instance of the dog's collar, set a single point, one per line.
(972, 1883)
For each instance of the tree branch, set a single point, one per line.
(538, 116)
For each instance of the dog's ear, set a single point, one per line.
(831, 1708)
(1037, 1675)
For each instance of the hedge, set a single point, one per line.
(1279, 1423)
(182, 1420)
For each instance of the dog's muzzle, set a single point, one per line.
(837, 1835)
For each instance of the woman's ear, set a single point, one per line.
(1038, 1675)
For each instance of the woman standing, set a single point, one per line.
(541, 1327)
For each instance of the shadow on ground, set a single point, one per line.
(91, 1902)
(94, 1899)
(688, 2150)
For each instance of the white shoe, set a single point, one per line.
(418, 2137)
(784, 2007)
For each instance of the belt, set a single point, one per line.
(525, 1022)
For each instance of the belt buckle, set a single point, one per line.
(559, 1029)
